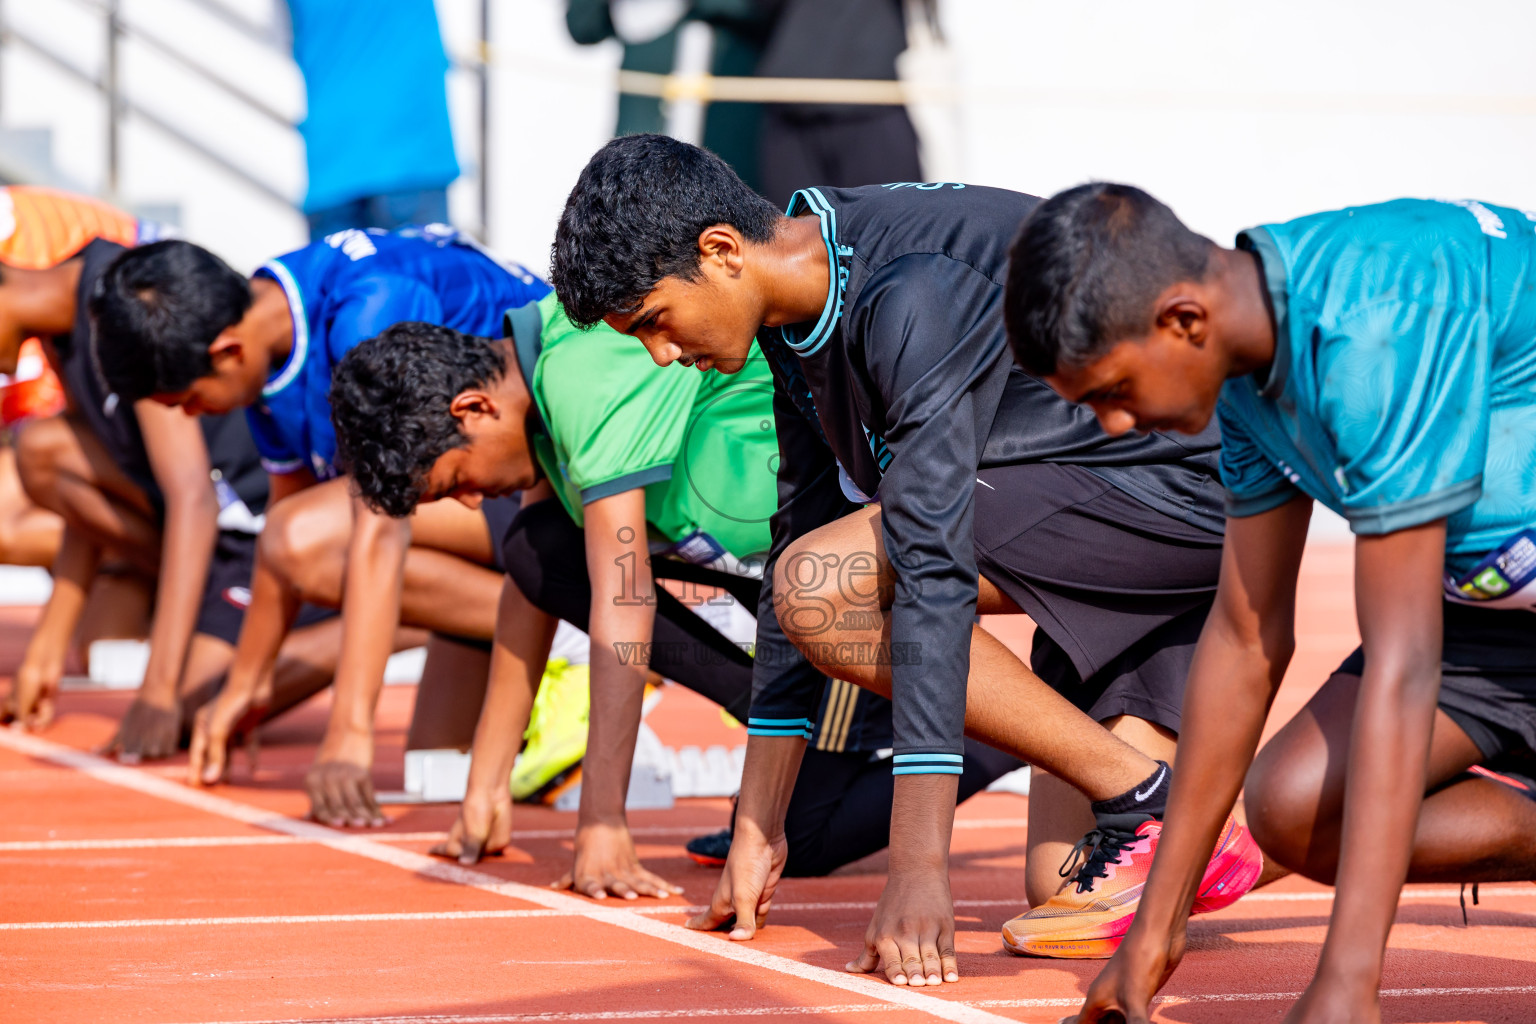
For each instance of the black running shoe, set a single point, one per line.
(710, 850)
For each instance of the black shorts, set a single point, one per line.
(499, 513)
(545, 554)
(228, 592)
(1119, 590)
(1487, 681)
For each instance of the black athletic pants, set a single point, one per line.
(841, 807)
(873, 146)
(546, 556)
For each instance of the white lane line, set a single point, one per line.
(191, 842)
(1066, 1002)
(127, 778)
(649, 909)
(554, 1017)
(410, 915)
(198, 922)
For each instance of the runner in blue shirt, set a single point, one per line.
(195, 334)
(1380, 360)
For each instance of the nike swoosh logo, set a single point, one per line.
(1140, 796)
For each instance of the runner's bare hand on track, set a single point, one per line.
(31, 701)
(483, 828)
(911, 938)
(149, 731)
(606, 862)
(1123, 991)
(215, 727)
(341, 795)
(747, 883)
(340, 784)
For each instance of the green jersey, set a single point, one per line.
(701, 445)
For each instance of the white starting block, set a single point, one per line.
(434, 777)
(1015, 782)
(118, 664)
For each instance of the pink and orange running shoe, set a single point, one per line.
(1088, 919)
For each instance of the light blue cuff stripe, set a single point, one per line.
(758, 731)
(779, 723)
(928, 770)
(909, 758)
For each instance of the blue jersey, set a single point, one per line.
(347, 288)
(1403, 388)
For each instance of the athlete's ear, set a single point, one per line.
(722, 243)
(469, 406)
(227, 346)
(1184, 315)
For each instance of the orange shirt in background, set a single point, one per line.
(41, 228)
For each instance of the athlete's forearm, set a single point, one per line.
(922, 818)
(615, 539)
(1398, 601)
(767, 783)
(618, 693)
(1242, 655)
(1388, 763)
(370, 610)
(191, 532)
(1231, 684)
(74, 569)
(267, 621)
(523, 637)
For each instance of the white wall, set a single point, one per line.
(1233, 112)
(1241, 112)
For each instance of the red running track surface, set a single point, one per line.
(129, 897)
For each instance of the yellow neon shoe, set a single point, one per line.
(556, 739)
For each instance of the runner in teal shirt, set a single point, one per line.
(1403, 388)
(1380, 360)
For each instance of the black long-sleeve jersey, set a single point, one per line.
(903, 389)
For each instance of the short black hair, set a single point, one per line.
(157, 309)
(1085, 270)
(635, 217)
(390, 399)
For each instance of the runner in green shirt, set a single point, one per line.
(612, 422)
(641, 461)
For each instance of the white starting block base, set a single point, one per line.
(1015, 782)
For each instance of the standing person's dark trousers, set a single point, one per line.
(871, 147)
(842, 145)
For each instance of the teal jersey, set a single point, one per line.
(1403, 388)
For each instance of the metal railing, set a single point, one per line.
(120, 105)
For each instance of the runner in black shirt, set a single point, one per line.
(178, 500)
(914, 454)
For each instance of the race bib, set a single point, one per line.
(1505, 579)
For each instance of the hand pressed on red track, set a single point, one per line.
(149, 731)
(483, 828)
(215, 727)
(30, 704)
(747, 882)
(911, 938)
(340, 783)
(606, 862)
